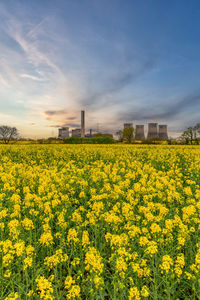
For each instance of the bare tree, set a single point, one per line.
(196, 129)
(8, 133)
(191, 134)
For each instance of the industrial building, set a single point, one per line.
(128, 125)
(89, 135)
(76, 132)
(63, 133)
(162, 132)
(80, 132)
(139, 132)
(82, 123)
(152, 131)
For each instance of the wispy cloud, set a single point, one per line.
(4, 82)
(32, 46)
(31, 77)
(71, 125)
(117, 83)
(164, 112)
(63, 118)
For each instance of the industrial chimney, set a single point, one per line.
(139, 134)
(82, 123)
(162, 133)
(152, 131)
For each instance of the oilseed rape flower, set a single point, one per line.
(167, 263)
(44, 288)
(27, 224)
(74, 292)
(73, 289)
(12, 296)
(54, 260)
(179, 265)
(7, 273)
(69, 281)
(99, 221)
(93, 261)
(46, 238)
(145, 292)
(19, 248)
(72, 236)
(134, 294)
(85, 238)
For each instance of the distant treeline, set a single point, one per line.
(92, 140)
(100, 140)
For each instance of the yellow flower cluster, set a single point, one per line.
(44, 288)
(99, 222)
(73, 289)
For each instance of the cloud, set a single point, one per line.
(61, 113)
(55, 112)
(53, 126)
(72, 125)
(35, 30)
(63, 117)
(164, 112)
(114, 85)
(31, 77)
(72, 118)
(32, 48)
(3, 81)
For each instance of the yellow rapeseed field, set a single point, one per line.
(99, 222)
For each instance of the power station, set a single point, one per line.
(139, 132)
(128, 125)
(152, 131)
(76, 132)
(82, 123)
(155, 131)
(162, 132)
(63, 133)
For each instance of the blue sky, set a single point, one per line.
(121, 61)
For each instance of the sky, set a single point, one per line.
(120, 61)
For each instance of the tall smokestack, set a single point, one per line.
(82, 123)
(139, 134)
(163, 132)
(152, 131)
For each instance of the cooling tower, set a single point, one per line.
(128, 125)
(82, 123)
(162, 133)
(152, 131)
(139, 134)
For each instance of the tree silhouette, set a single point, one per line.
(8, 133)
